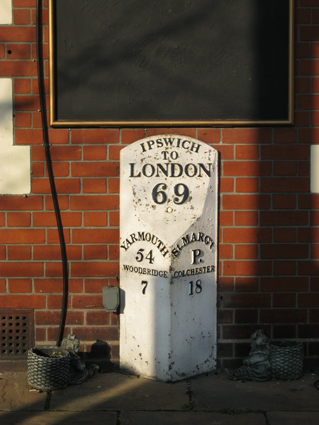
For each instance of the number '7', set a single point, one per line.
(144, 282)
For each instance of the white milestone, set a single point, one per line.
(168, 257)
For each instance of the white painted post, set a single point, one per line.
(15, 161)
(314, 169)
(6, 12)
(168, 257)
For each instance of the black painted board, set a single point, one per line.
(170, 60)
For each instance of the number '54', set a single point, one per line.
(140, 256)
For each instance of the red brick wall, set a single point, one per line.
(269, 222)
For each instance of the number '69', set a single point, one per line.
(181, 193)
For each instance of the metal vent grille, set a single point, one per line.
(17, 335)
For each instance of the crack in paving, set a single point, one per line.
(118, 421)
(48, 400)
(189, 392)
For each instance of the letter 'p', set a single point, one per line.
(196, 254)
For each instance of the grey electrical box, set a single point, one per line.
(111, 298)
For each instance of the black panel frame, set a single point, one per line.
(74, 103)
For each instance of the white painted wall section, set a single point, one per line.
(5, 12)
(15, 161)
(314, 169)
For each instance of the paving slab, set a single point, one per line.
(214, 400)
(217, 392)
(58, 418)
(190, 418)
(293, 418)
(15, 393)
(114, 391)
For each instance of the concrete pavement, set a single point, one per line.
(116, 399)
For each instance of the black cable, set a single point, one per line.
(50, 171)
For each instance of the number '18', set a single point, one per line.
(197, 288)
